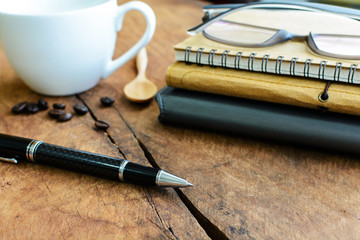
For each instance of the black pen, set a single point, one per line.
(14, 148)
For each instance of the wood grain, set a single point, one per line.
(248, 188)
(244, 188)
(39, 202)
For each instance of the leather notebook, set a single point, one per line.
(245, 117)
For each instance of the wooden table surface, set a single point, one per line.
(244, 188)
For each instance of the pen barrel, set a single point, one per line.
(11, 146)
(14, 148)
(78, 161)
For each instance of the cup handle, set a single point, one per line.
(149, 32)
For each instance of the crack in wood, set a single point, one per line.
(210, 228)
(153, 205)
(148, 197)
(47, 186)
(92, 114)
(173, 233)
(84, 103)
(115, 144)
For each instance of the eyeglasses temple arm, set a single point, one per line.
(209, 10)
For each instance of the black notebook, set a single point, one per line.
(303, 126)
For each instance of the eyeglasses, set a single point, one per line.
(228, 28)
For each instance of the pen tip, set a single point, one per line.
(165, 179)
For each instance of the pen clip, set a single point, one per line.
(9, 160)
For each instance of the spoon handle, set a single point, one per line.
(141, 61)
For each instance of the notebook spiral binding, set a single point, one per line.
(265, 58)
(337, 71)
(198, 56)
(224, 58)
(307, 67)
(264, 64)
(352, 73)
(237, 60)
(322, 66)
(187, 55)
(278, 64)
(211, 57)
(292, 66)
(251, 61)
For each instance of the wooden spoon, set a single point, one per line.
(141, 89)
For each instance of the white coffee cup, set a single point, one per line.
(63, 47)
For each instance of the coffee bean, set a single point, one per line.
(64, 117)
(55, 113)
(80, 109)
(43, 105)
(107, 101)
(32, 108)
(103, 125)
(59, 106)
(19, 108)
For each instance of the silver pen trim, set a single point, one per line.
(31, 150)
(158, 177)
(165, 179)
(121, 170)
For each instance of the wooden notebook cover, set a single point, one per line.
(297, 91)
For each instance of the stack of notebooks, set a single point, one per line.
(284, 92)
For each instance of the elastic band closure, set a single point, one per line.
(324, 96)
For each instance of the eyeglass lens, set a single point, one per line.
(337, 44)
(238, 34)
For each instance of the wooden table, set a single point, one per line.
(244, 188)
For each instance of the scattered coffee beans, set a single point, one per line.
(64, 117)
(32, 108)
(56, 113)
(103, 125)
(19, 108)
(80, 109)
(43, 105)
(107, 101)
(59, 106)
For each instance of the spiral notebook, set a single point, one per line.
(289, 58)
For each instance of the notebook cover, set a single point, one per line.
(297, 91)
(246, 117)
